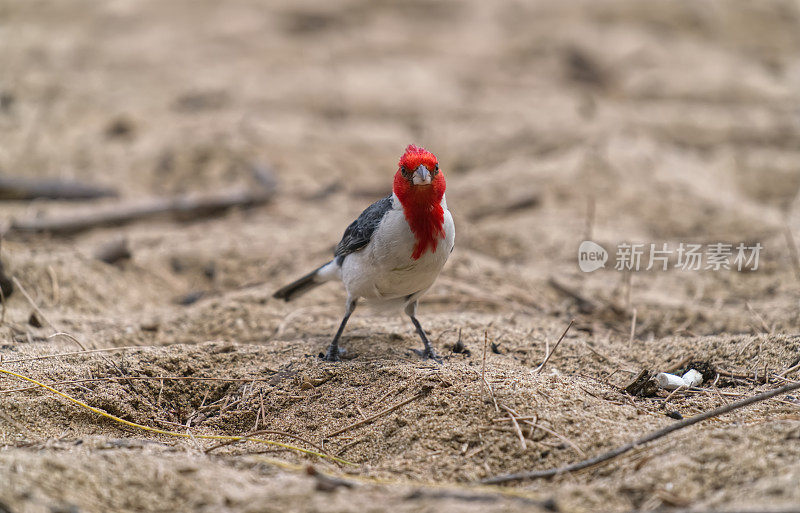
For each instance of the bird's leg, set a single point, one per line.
(428, 352)
(333, 349)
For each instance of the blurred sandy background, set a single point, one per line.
(614, 120)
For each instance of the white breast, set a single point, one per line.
(384, 269)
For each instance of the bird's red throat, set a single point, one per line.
(422, 206)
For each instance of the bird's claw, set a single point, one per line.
(332, 356)
(428, 354)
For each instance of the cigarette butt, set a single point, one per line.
(692, 378)
(669, 381)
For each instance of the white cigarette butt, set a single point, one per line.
(692, 378)
(669, 381)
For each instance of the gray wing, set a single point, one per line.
(360, 231)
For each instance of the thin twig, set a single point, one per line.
(633, 328)
(559, 436)
(547, 358)
(491, 392)
(31, 301)
(349, 445)
(483, 366)
(67, 335)
(787, 371)
(21, 188)
(386, 395)
(182, 207)
(754, 377)
(422, 393)
(258, 417)
(660, 433)
(514, 422)
(681, 387)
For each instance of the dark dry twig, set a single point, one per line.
(183, 207)
(660, 433)
(14, 188)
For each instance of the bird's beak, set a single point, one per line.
(422, 176)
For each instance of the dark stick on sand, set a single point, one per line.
(181, 207)
(539, 474)
(21, 189)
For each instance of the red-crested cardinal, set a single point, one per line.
(393, 252)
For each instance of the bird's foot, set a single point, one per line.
(428, 354)
(333, 355)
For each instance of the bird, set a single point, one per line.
(394, 251)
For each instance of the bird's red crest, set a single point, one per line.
(416, 156)
(421, 204)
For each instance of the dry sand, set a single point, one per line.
(616, 120)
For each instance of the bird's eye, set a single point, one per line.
(436, 168)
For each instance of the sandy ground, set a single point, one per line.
(554, 122)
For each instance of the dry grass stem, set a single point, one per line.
(31, 302)
(539, 369)
(378, 415)
(514, 422)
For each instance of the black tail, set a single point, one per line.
(299, 287)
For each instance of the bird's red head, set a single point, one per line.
(420, 186)
(415, 157)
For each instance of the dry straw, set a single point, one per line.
(172, 433)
